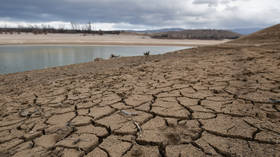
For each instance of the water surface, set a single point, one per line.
(22, 58)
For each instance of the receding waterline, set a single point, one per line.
(18, 58)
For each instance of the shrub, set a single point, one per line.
(114, 56)
(147, 53)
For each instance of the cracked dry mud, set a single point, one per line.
(209, 101)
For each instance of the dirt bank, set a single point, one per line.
(208, 101)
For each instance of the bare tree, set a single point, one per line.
(74, 26)
(89, 27)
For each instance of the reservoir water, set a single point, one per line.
(23, 58)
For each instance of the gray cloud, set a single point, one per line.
(151, 13)
(208, 2)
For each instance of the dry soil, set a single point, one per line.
(219, 100)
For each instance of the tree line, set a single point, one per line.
(45, 29)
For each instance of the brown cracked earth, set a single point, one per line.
(209, 101)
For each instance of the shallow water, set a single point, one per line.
(22, 58)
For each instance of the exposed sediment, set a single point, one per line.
(209, 101)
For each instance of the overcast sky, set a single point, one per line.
(142, 14)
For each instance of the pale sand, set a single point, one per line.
(123, 39)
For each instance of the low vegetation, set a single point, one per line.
(197, 34)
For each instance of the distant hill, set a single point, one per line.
(246, 31)
(268, 35)
(208, 34)
(243, 31)
(156, 30)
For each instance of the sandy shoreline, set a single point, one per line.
(79, 39)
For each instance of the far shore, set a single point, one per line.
(80, 39)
